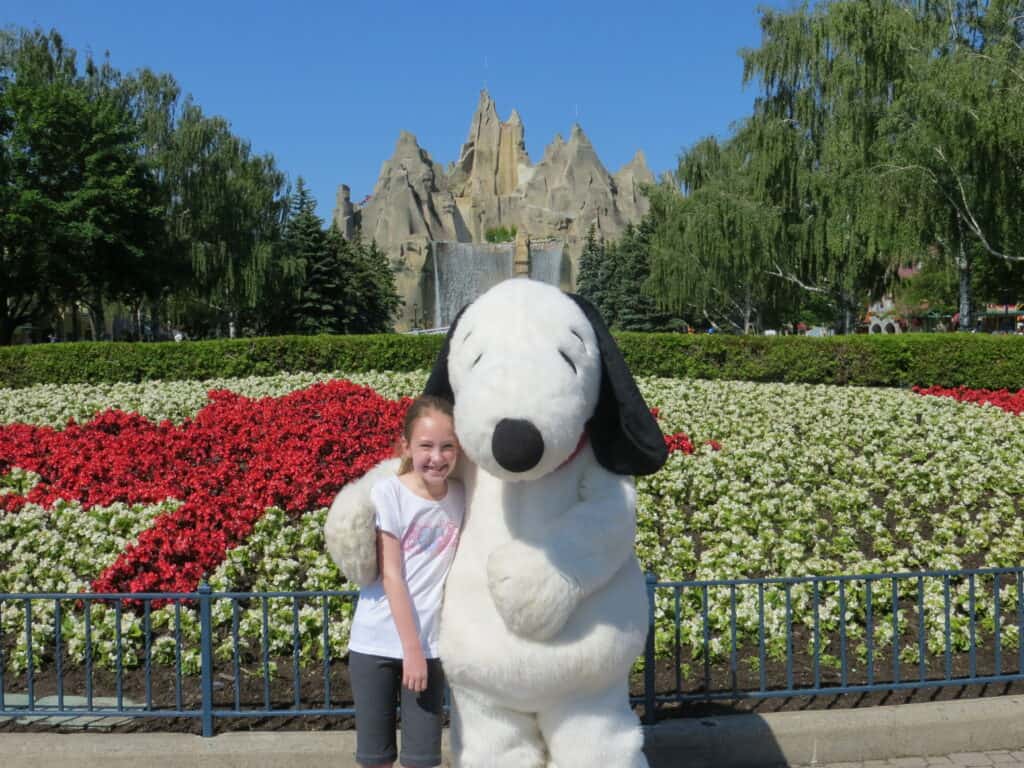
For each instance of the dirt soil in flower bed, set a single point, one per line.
(281, 692)
(163, 694)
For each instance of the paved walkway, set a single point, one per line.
(968, 733)
(82, 721)
(1000, 758)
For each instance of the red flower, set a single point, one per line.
(680, 441)
(1012, 402)
(12, 502)
(237, 457)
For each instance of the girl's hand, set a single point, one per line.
(414, 670)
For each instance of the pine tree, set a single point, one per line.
(614, 277)
(303, 244)
(378, 300)
(307, 265)
(636, 309)
(589, 280)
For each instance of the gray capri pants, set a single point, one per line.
(376, 688)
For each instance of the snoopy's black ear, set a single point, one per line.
(625, 437)
(438, 384)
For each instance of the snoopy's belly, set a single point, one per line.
(596, 647)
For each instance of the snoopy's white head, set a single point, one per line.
(534, 373)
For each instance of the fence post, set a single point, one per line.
(206, 655)
(650, 714)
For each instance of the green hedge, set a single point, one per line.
(955, 359)
(975, 360)
(125, 361)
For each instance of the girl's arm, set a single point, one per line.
(414, 664)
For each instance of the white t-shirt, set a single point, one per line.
(428, 532)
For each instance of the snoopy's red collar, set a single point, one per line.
(576, 450)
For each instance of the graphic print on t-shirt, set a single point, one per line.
(430, 539)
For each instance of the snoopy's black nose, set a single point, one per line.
(517, 445)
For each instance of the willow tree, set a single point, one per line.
(901, 128)
(714, 238)
(155, 101)
(830, 75)
(791, 199)
(227, 212)
(955, 180)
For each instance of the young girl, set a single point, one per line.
(394, 633)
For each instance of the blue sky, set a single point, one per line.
(326, 86)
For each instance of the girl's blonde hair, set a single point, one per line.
(420, 407)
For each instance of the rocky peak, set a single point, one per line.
(639, 161)
(628, 182)
(404, 201)
(493, 183)
(489, 160)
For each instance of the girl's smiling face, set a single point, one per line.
(432, 448)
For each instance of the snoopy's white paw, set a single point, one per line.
(350, 535)
(350, 532)
(533, 598)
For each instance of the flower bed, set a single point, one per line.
(808, 480)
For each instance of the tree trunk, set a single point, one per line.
(97, 320)
(747, 309)
(845, 304)
(12, 314)
(7, 326)
(963, 266)
(155, 309)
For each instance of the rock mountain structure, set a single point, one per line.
(432, 222)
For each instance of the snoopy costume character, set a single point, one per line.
(545, 605)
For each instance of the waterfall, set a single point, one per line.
(437, 290)
(546, 262)
(462, 271)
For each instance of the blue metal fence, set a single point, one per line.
(214, 655)
(839, 634)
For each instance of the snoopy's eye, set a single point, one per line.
(477, 360)
(568, 360)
